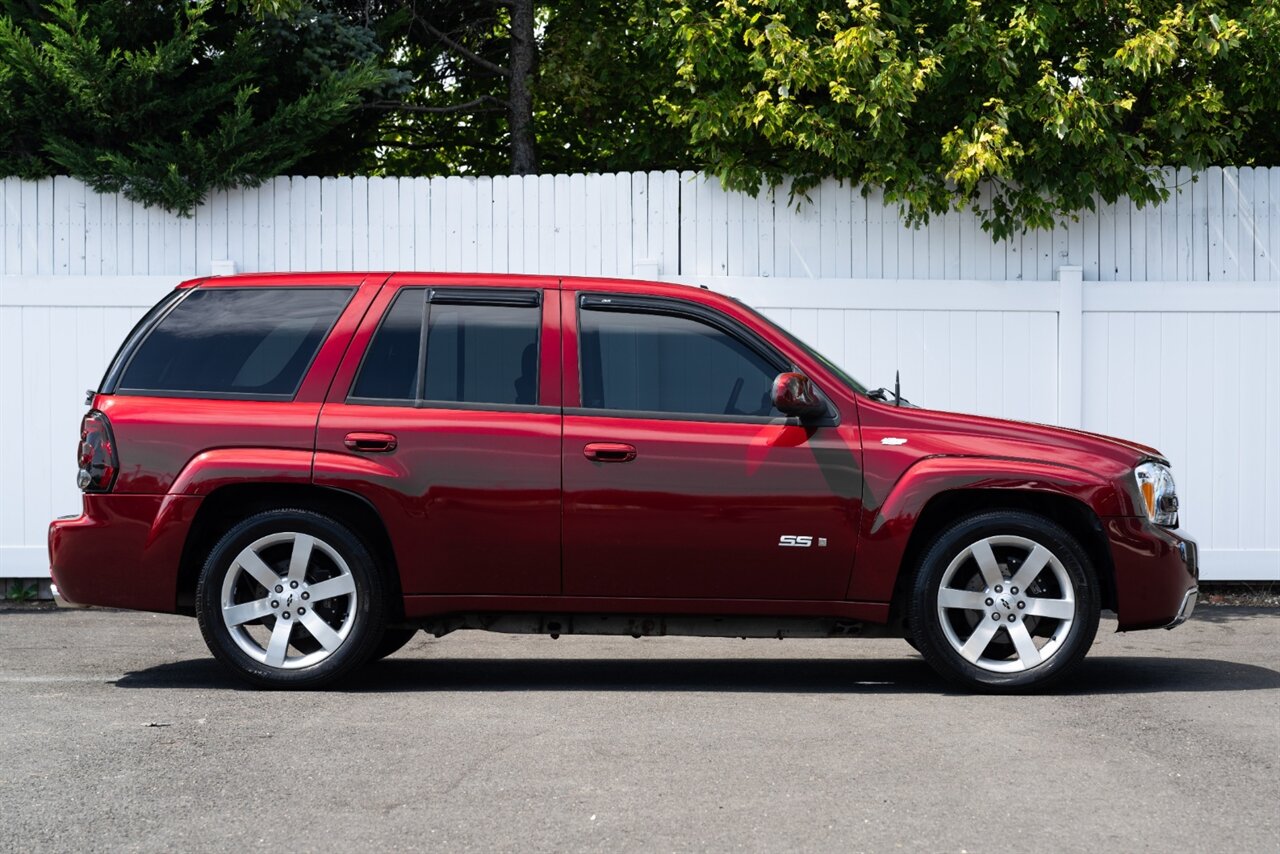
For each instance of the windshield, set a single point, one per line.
(809, 351)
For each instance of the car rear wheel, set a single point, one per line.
(1004, 601)
(291, 599)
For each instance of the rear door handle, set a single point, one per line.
(609, 452)
(370, 443)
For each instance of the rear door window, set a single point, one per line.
(235, 342)
(390, 368)
(480, 348)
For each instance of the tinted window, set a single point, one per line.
(390, 368)
(112, 377)
(482, 354)
(231, 341)
(664, 363)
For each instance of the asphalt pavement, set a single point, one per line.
(119, 732)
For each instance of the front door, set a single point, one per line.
(451, 428)
(680, 479)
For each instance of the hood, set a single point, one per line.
(932, 432)
(1143, 451)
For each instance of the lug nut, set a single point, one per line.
(1012, 618)
(301, 610)
(1022, 604)
(275, 603)
(306, 595)
(991, 601)
(285, 615)
(279, 588)
(293, 584)
(995, 616)
(1013, 590)
(999, 589)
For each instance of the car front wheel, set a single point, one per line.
(291, 599)
(1004, 601)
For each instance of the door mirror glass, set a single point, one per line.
(794, 394)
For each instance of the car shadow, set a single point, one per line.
(910, 675)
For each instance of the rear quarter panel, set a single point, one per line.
(157, 437)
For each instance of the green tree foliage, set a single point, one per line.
(165, 102)
(168, 101)
(599, 70)
(604, 65)
(1047, 102)
(453, 114)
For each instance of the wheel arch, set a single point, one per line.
(225, 505)
(1076, 516)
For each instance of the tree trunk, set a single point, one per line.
(524, 155)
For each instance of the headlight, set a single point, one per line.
(1155, 484)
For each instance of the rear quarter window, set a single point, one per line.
(235, 342)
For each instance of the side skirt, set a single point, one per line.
(555, 616)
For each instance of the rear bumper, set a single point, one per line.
(123, 551)
(1156, 572)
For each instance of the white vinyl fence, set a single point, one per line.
(1160, 325)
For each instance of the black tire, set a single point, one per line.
(393, 640)
(336, 557)
(1060, 606)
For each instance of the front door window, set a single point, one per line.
(664, 363)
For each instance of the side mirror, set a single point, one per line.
(794, 394)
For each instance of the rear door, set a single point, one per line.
(446, 416)
(680, 479)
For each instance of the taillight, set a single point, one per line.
(97, 457)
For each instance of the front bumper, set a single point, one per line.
(1188, 608)
(1156, 573)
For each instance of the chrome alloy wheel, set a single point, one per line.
(1006, 604)
(288, 600)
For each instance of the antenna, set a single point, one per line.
(897, 388)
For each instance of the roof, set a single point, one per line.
(329, 279)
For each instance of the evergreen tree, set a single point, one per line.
(165, 102)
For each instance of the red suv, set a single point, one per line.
(318, 465)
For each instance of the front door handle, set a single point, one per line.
(609, 452)
(370, 443)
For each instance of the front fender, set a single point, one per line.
(888, 522)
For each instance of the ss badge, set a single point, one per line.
(799, 541)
